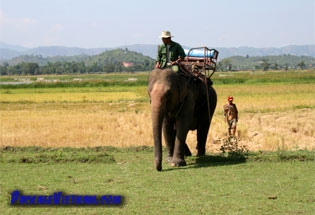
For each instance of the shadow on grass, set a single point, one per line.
(218, 160)
(209, 161)
(238, 157)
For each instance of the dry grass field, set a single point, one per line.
(271, 117)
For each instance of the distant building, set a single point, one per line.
(128, 64)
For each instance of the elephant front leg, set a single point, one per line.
(169, 136)
(179, 151)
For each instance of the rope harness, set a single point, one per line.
(196, 75)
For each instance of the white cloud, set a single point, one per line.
(93, 24)
(56, 28)
(17, 30)
(26, 21)
(20, 23)
(28, 32)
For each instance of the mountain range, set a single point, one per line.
(8, 51)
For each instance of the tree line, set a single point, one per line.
(59, 68)
(106, 62)
(113, 61)
(280, 62)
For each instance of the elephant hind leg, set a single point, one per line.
(187, 150)
(202, 134)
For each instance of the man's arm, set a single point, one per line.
(236, 113)
(158, 57)
(225, 108)
(181, 53)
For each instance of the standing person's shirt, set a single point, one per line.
(230, 111)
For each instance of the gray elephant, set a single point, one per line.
(179, 104)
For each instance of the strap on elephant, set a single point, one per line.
(201, 62)
(196, 75)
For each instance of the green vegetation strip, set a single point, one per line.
(141, 79)
(36, 155)
(103, 155)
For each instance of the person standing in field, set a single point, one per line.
(170, 52)
(231, 115)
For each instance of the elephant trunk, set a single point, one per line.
(158, 109)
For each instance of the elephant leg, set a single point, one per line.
(169, 136)
(178, 156)
(180, 144)
(202, 133)
(203, 129)
(187, 150)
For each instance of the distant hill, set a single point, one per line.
(12, 47)
(116, 60)
(125, 60)
(302, 50)
(147, 50)
(8, 52)
(114, 56)
(52, 51)
(273, 61)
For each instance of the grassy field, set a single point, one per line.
(277, 114)
(208, 185)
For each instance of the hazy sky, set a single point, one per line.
(111, 23)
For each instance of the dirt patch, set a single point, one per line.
(290, 130)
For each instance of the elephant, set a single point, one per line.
(178, 104)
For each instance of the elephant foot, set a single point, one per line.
(169, 158)
(178, 162)
(158, 164)
(201, 152)
(158, 168)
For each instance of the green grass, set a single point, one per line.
(141, 79)
(72, 90)
(78, 81)
(214, 184)
(54, 155)
(259, 77)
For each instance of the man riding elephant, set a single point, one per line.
(169, 53)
